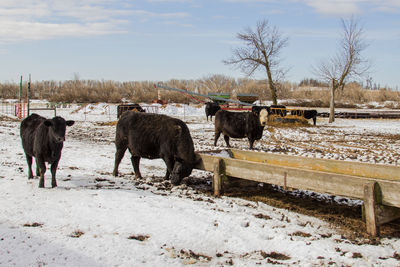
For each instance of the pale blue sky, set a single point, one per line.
(160, 40)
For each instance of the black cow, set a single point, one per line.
(307, 114)
(152, 136)
(43, 139)
(211, 108)
(240, 125)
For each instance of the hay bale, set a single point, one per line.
(289, 120)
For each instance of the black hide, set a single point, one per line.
(154, 136)
(237, 125)
(307, 114)
(43, 139)
(211, 108)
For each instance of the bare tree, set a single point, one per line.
(261, 49)
(348, 62)
(218, 83)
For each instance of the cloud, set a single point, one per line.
(38, 20)
(351, 7)
(335, 7)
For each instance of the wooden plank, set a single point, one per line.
(385, 214)
(376, 171)
(317, 181)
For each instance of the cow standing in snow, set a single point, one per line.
(154, 136)
(240, 125)
(43, 139)
(211, 108)
(307, 114)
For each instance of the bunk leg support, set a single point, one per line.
(218, 177)
(375, 213)
(370, 203)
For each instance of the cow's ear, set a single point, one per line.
(70, 123)
(48, 123)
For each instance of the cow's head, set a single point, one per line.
(180, 171)
(263, 117)
(57, 127)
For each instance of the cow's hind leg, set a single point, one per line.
(226, 137)
(217, 134)
(42, 168)
(315, 120)
(119, 154)
(37, 171)
(135, 162)
(29, 161)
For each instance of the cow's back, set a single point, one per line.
(149, 135)
(232, 124)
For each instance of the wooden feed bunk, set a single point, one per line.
(377, 185)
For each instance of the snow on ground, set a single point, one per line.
(95, 219)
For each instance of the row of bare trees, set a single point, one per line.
(262, 47)
(310, 94)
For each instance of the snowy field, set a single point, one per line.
(95, 219)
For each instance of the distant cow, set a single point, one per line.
(154, 136)
(125, 107)
(211, 108)
(307, 114)
(240, 125)
(43, 139)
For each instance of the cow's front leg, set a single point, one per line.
(42, 168)
(135, 162)
(170, 162)
(53, 174)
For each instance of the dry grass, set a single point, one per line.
(91, 91)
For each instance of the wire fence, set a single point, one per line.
(93, 112)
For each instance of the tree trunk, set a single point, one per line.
(332, 103)
(271, 86)
(273, 94)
